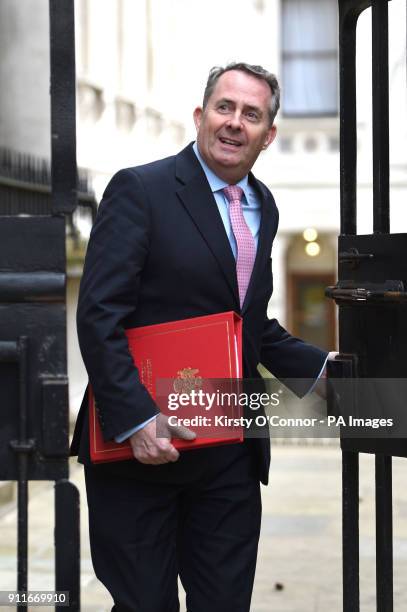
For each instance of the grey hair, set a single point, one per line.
(257, 71)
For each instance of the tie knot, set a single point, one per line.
(233, 193)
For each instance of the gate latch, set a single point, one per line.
(361, 292)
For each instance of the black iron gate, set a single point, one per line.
(33, 381)
(371, 295)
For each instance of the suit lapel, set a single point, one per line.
(197, 198)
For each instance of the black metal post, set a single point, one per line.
(380, 92)
(348, 158)
(8, 352)
(63, 116)
(350, 531)
(22, 568)
(357, 266)
(33, 260)
(384, 534)
(17, 352)
(67, 543)
(22, 446)
(349, 11)
(64, 200)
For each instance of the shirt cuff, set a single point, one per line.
(310, 390)
(126, 434)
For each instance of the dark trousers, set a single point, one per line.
(143, 535)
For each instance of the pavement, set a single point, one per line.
(299, 565)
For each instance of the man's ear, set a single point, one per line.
(197, 116)
(271, 134)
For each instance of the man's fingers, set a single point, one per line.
(156, 452)
(152, 446)
(173, 455)
(166, 431)
(167, 451)
(179, 431)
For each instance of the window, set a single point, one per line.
(310, 57)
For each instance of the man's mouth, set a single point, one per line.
(230, 141)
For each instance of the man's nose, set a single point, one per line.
(235, 122)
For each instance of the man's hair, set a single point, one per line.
(257, 71)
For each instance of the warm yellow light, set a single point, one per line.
(310, 234)
(312, 249)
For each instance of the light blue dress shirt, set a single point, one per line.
(251, 205)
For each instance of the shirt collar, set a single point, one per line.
(216, 183)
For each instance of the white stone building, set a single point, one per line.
(141, 69)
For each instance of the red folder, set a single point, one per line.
(176, 357)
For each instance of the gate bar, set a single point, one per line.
(384, 533)
(63, 132)
(64, 200)
(8, 351)
(67, 543)
(347, 89)
(380, 117)
(349, 11)
(22, 516)
(350, 531)
(22, 447)
(18, 352)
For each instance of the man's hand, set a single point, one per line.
(153, 450)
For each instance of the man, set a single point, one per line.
(186, 236)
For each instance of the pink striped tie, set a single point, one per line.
(246, 248)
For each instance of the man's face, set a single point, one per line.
(234, 127)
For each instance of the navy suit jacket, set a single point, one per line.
(159, 252)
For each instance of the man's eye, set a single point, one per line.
(223, 107)
(252, 116)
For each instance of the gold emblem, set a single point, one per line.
(187, 380)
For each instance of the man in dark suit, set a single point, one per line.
(166, 246)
